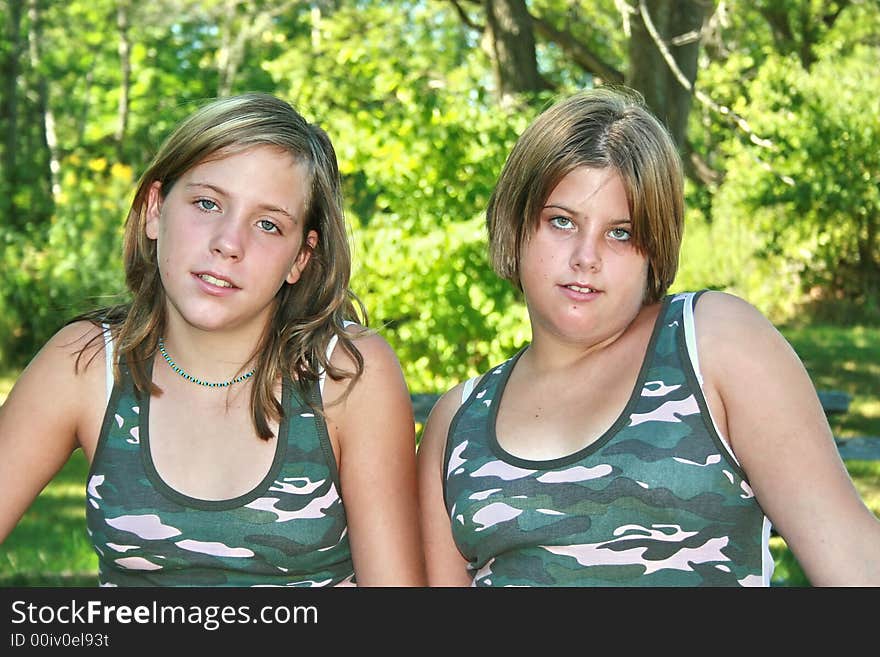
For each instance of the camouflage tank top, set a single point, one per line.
(658, 500)
(290, 530)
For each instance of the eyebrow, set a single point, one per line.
(263, 206)
(551, 206)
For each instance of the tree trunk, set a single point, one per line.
(10, 111)
(513, 43)
(124, 49)
(224, 50)
(799, 30)
(48, 141)
(667, 86)
(601, 71)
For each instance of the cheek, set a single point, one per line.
(165, 256)
(165, 271)
(634, 262)
(163, 240)
(163, 249)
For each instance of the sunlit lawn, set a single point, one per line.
(50, 546)
(847, 360)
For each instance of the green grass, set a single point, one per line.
(6, 382)
(845, 359)
(866, 476)
(50, 547)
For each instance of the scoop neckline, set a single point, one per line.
(601, 441)
(171, 493)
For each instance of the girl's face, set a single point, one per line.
(583, 278)
(229, 235)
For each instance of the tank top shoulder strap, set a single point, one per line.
(108, 359)
(469, 423)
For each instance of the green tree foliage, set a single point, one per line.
(65, 261)
(437, 300)
(75, 266)
(420, 143)
(784, 209)
(813, 200)
(799, 206)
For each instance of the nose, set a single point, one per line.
(586, 253)
(227, 239)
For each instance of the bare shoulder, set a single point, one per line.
(447, 406)
(50, 410)
(375, 433)
(729, 327)
(721, 312)
(69, 371)
(379, 358)
(370, 343)
(74, 350)
(381, 384)
(737, 343)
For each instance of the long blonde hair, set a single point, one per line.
(307, 314)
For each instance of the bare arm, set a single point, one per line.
(446, 565)
(42, 419)
(377, 469)
(767, 406)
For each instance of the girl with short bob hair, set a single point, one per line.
(641, 438)
(600, 129)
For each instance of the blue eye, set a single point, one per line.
(620, 234)
(563, 223)
(268, 226)
(206, 204)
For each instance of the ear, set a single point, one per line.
(154, 209)
(302, 259)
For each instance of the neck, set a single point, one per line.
(211, 355)
(192, 378)
(550, 352)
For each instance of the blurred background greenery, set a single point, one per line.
(774, 104)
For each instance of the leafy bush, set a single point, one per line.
(71, 267)
(810, 204)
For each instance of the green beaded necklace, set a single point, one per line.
(189, 377)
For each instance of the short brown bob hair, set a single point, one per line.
(598, 128)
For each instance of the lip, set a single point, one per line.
(579, 295)
(214, 288)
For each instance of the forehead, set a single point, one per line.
(262, 174)
(586, 185)
(246, 161)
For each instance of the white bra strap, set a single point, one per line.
(331, 345)
(690, 335)
(108, 359)
(690, 338)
